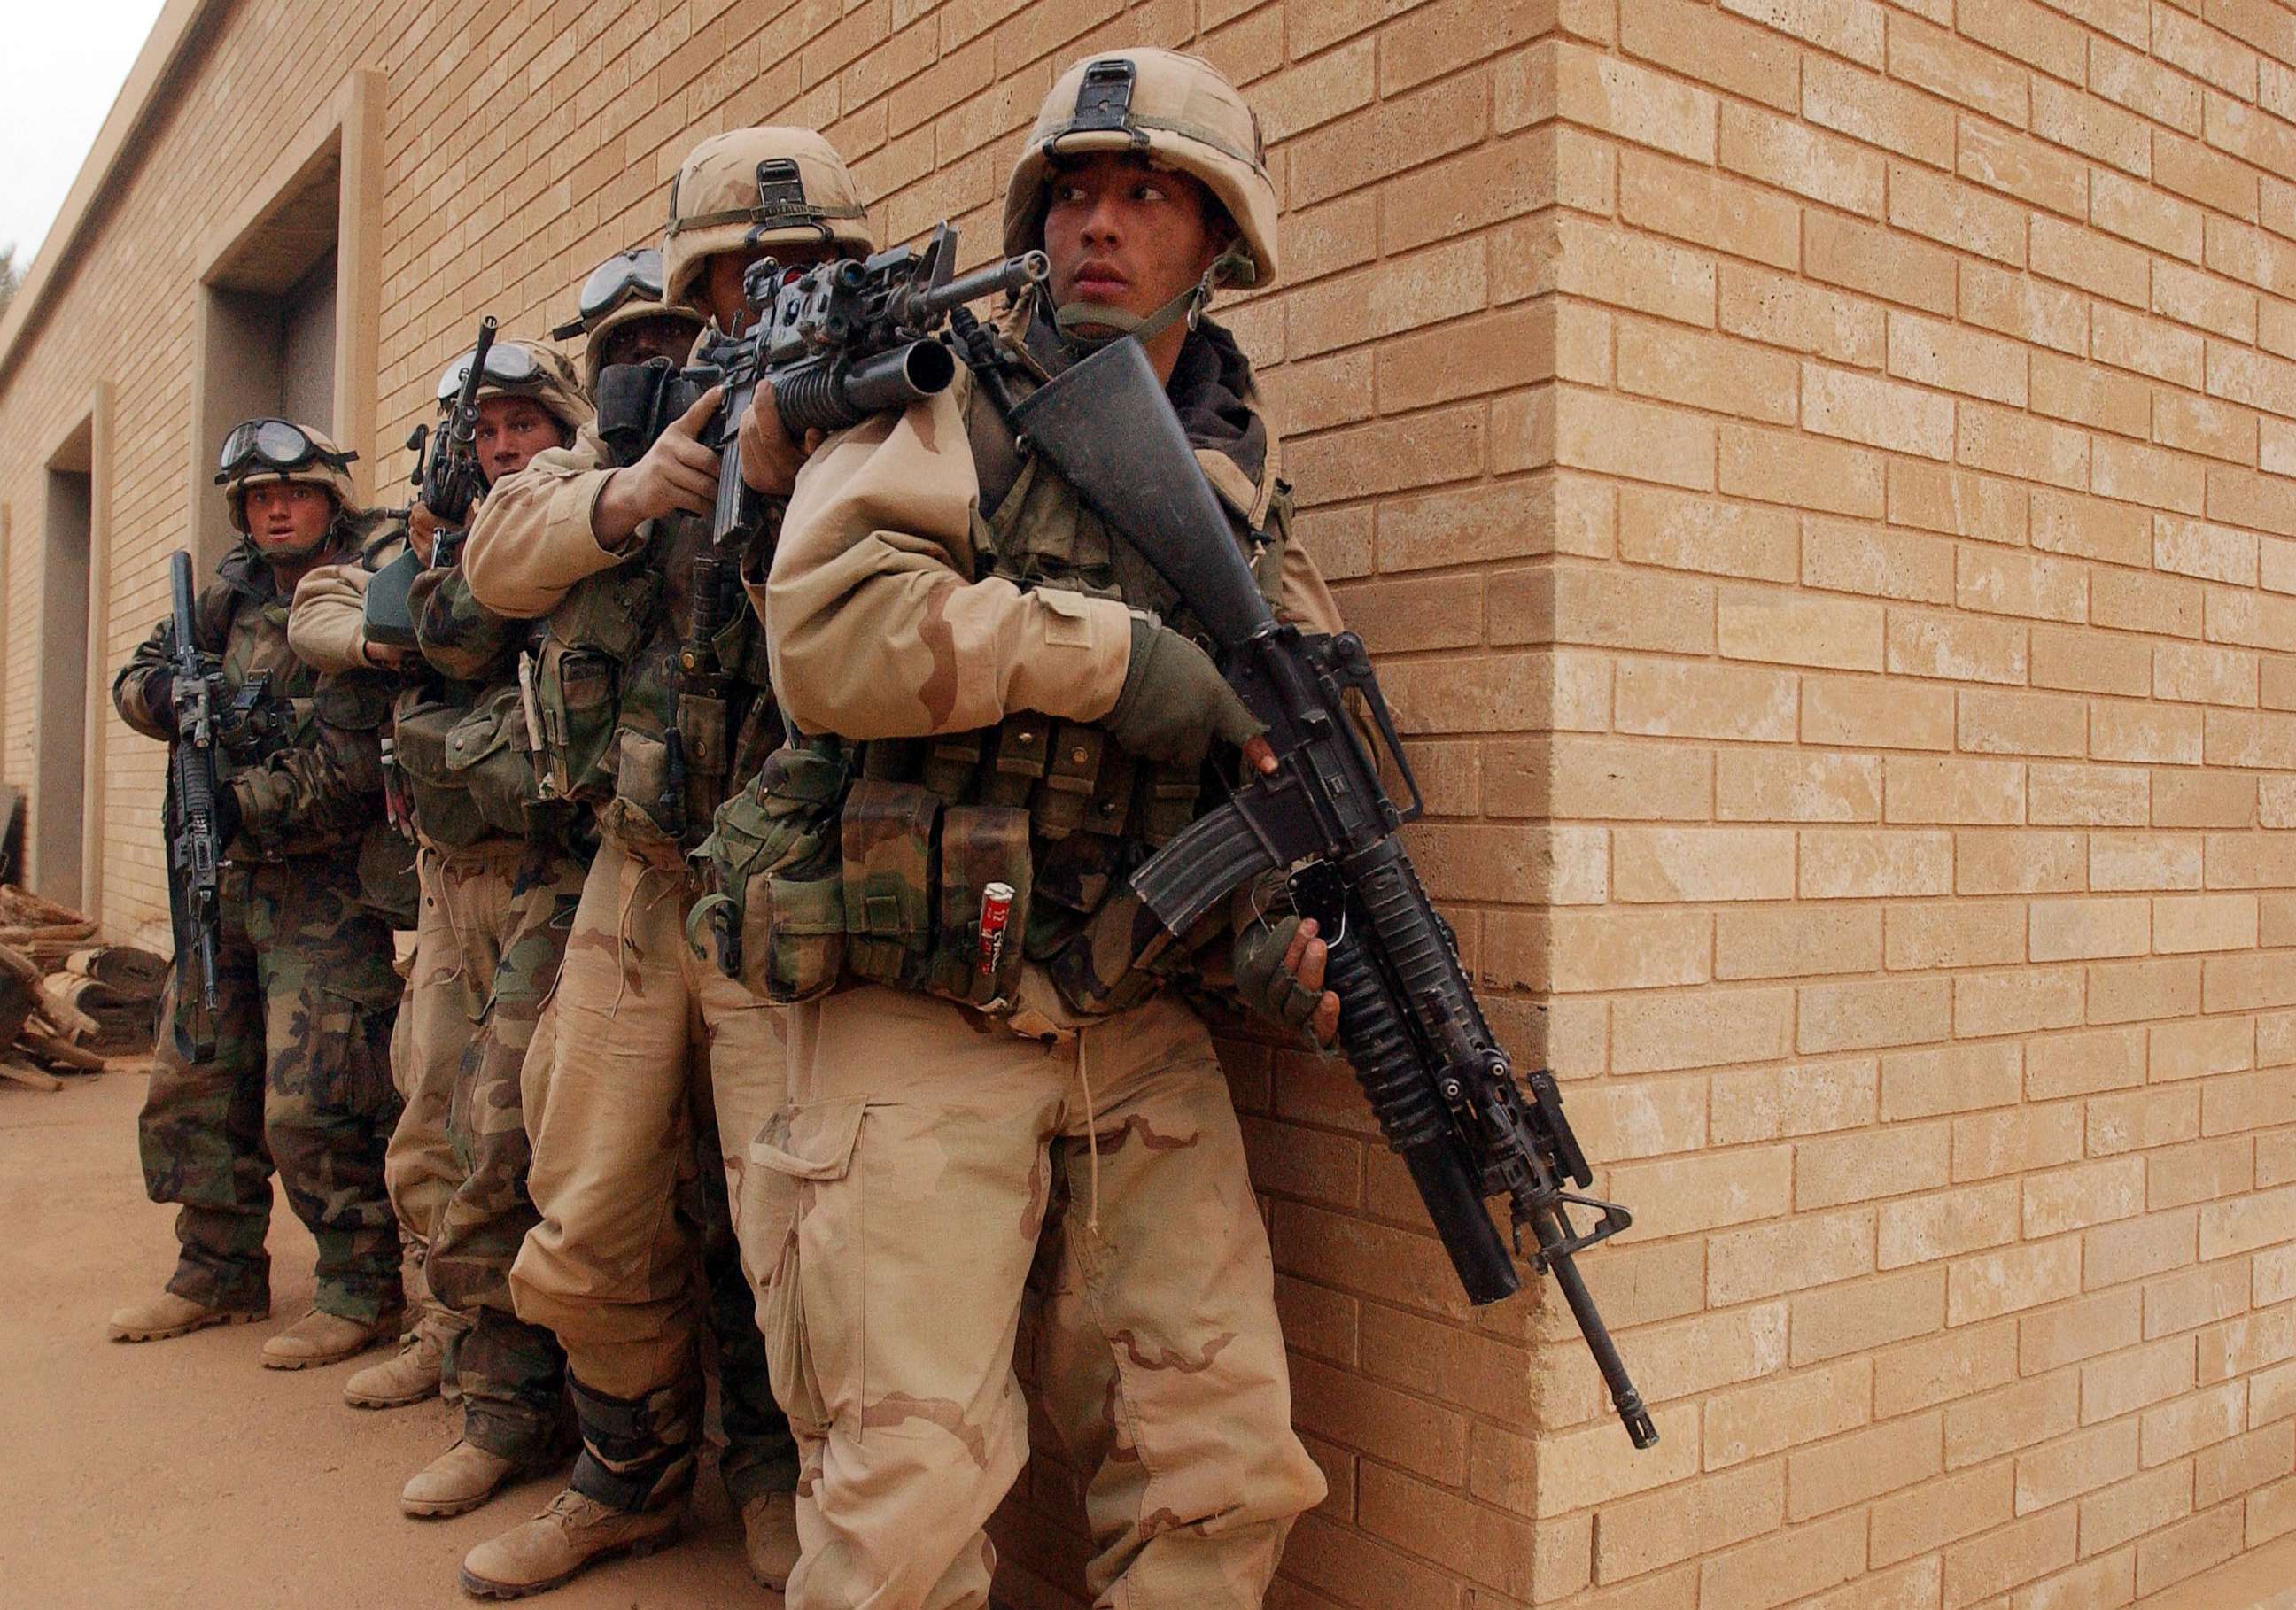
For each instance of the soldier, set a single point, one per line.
(652, 1042)
(298, 1077)
(501, 866)
(949, 604)
(623, 314)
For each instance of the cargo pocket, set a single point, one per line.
(812, 1311)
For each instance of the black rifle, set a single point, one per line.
(195, 846)
(447, 472)
(1444, 1093)
(839, 342)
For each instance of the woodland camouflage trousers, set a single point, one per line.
(926, 1163)
(298, 1077)
(510, 905)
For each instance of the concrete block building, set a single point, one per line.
(1819, 476)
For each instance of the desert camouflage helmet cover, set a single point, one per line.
(1179, 110)
(317, 472)
(555, 386)
(759, 187)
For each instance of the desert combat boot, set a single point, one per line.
(769, 1538)
(455, 1483)
(574, 1533)
(169, 1315)
(320, 1338)
(414, 1373)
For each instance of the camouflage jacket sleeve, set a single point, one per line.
(327, 786)
(131, 688)
(877, 629)
(460, 637)
(531, 541)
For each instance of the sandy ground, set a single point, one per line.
(181, 1473)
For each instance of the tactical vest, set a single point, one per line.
(466, 758)
(877, 862)
(622, 730)
(253, 633)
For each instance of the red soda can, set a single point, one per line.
(996, 912)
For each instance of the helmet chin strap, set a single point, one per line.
(1234, 266)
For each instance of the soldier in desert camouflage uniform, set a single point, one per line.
(651, 1043)
(501, 866)
(1016, 699)
(298, 1077)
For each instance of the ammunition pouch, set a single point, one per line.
(636, 401)
(470, 770)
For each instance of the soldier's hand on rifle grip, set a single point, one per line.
(678, 472)
(770, 460)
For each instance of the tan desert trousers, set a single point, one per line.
(420, 1170)
(647, 1043)
(916, 1166)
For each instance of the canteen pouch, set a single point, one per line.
(773, 915)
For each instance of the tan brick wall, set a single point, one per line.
(1915, 654)
(1814, 472)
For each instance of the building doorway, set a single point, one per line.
(58, 862)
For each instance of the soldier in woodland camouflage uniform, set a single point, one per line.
(1014, 699)
(611, 552)
(501, 866)
(298, 1077)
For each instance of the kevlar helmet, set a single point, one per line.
(523, 369)
(267, 450)
(752, 187)
(624, 290)
(1178, 111)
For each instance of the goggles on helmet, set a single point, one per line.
(627, 277)
(278, 445)
(509, 364)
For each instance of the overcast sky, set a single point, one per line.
(60, 68)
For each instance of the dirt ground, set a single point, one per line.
(182, 1474)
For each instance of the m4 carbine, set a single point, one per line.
(839, 342)
(194, 841)
(1445, 1092)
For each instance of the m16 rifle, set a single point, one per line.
(449, 480)
(1445, 1092)
(195, 838)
